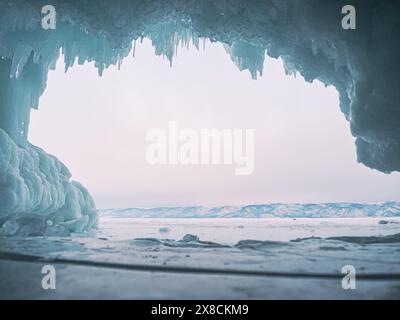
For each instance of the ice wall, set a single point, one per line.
(362, 64)
(37, 193)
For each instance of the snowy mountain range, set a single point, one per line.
(274, 210)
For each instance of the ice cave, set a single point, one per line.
(36, 188)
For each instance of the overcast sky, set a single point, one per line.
(304, 151)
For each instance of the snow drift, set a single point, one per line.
(362, 64)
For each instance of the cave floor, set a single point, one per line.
(203, 259)
(23, 281)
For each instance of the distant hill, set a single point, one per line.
(274, 210)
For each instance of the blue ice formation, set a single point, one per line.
(37, 192)
(362, 64)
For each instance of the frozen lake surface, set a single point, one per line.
(209, 258)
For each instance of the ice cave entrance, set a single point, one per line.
(97, 127)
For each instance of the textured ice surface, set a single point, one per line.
(251, 245)
(363, 65)
(254, 244)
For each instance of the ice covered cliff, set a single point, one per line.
(362, 64)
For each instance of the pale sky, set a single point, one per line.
(304, 151)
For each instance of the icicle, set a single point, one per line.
(134, 49)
